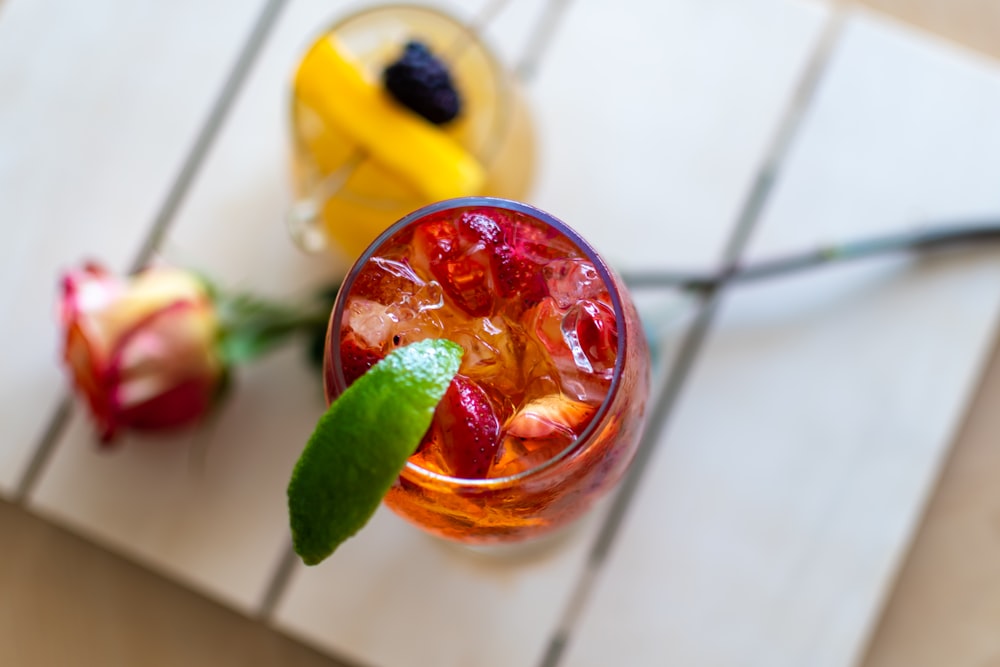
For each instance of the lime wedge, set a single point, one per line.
(361, 444)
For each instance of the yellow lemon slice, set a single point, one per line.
(334, 86)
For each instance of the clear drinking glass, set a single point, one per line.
(554, 341)
(346, 195)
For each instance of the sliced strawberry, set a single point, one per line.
(456, 256)
(479, 227)
(436, 241)
(518, 261)
(535, 243)
(468, 284)
(572, 279)
(356, 358)
(468, 429)
(518, 275)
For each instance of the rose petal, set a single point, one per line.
(181, 405)
(143, 353)
(170, 347)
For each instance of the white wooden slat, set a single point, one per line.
(101, 102)
(770, 522)
(656, 117)
(510, 31)
(203, 508)
(208, 509)
(393, 597)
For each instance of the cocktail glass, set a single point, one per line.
(552, 339)
(345, 194)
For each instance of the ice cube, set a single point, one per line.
(571, 342)
(573, 279)
(387, 280)
(550, 415)
(516, 455)
(544, 324)
(492, 352)
(590, 330)
(538, 431)
(412, 326)
(429, 297)
(370, 320)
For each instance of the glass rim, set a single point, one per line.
(613, 285)
(504, 105)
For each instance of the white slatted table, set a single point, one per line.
(788, 482)
(101, 105)
(806, 417)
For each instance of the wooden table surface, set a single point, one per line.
(67, 601)
(945, 606)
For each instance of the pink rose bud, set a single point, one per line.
(143, 352)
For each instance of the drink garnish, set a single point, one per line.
(362, 442)
(337, 89)
(421, 81)
(468, 429)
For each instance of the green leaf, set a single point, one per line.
(252, 326)
(362, 442)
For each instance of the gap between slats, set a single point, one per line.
(165, 215)
(665, 396)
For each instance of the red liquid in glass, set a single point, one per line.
(545, 414)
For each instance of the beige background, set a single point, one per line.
(68, 602)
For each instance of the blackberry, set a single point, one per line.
(421, 82)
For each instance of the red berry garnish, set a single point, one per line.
(479, 228)
(421, 81)
(356, 358)
(457, 256)
(467, 282)
(518, 275)
(435, 241)
(468, 429)
(527, 249)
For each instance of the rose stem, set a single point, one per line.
(937, 238)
